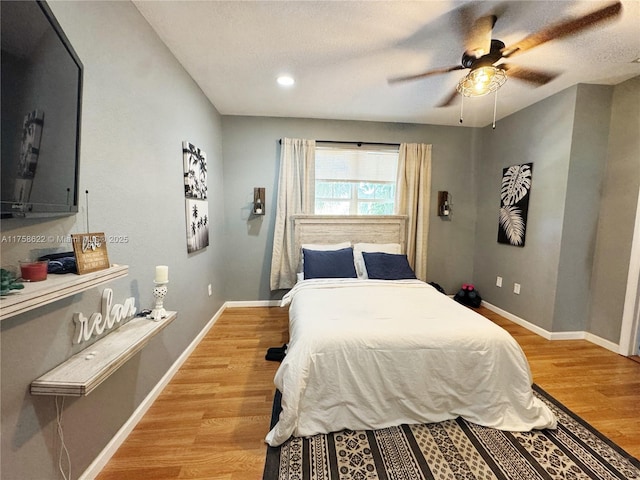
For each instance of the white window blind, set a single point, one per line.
(354, 180)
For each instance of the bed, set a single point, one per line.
(369, 353)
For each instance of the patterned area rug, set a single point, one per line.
(455, 449)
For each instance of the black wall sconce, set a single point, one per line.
(258, 201)
(444, 204)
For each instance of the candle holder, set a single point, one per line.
(159, 292)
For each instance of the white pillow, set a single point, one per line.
(325, 247)
(358, 248)
(319, 246)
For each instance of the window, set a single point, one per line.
(355, 180)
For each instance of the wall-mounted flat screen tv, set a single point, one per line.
(41, 103)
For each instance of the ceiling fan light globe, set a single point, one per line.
(481, 81)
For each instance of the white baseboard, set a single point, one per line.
(110, 449)
(577, 335)
(254, 303)
(520, 321)
(608, 344)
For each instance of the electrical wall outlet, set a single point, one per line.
(209, 289)
(516, 288)
(498, 281)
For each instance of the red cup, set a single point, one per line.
(33, 271)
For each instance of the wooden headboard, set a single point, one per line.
(350, 228)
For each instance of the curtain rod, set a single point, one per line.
(342, 142)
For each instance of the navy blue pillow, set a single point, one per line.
(329, 263)
(387, 266)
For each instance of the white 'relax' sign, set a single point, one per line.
(105, 320)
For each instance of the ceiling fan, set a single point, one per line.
(483, 55)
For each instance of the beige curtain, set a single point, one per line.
(296, 195)
(413, 195)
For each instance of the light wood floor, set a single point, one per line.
(210, 421)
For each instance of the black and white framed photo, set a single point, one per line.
(197, 212)
(195, 171)
(514, 204)
(195, 192)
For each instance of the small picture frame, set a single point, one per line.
(90, 250)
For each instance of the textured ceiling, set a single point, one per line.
(342, 54)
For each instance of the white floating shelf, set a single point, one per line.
(55, 287)
(81, 374)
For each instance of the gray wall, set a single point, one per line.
(582, 204)
(251, 159)
(139, 105)
(586, 174)
(617, 213)
(540, 134)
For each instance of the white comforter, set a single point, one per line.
(368, 354)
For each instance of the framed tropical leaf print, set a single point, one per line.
(514, 204)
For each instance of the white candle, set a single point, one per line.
(162, 274)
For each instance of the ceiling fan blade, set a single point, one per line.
(478, 38)
(475, 31)
(563, 29)
(436, 71)
(448, 100)
(536, 77)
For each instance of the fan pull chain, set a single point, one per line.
(495, 107)
(461, 107)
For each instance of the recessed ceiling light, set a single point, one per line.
(286, 80)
